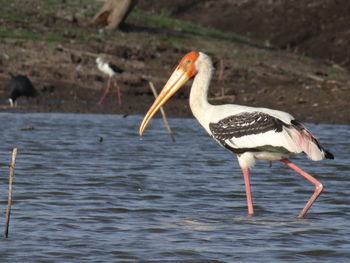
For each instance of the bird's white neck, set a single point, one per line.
(199, 92)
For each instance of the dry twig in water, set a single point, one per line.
(170, 132)
(9, 202)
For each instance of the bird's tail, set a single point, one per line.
(309, 144)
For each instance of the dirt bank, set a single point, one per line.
(317, 28)
(65, 73)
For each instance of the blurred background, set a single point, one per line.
(289, 55)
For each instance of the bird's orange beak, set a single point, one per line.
(184, 71)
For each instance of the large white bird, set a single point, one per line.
(111, 70)
(250, 133)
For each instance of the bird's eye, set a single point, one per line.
(188, 61)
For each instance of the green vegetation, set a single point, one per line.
(11, 33)
(47, 9)
(163, 20)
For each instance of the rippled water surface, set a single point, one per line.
(89, 189)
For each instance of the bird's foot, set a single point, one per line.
(248, 216)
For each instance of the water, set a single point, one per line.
(147, 199)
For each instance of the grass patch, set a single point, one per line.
(11, 33)
(163, 20)
(46, 10)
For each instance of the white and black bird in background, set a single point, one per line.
(111, 70)
(20, 86)
(249, 133)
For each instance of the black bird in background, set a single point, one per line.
(20, 85)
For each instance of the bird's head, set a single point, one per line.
(99, 60)
(183, 72)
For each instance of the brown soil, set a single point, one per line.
(68, 80)
(316, 28)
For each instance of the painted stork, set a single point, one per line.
(20, 85)
(250, 133)
(111, 70)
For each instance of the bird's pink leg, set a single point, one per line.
(106, 91)
(117, 87)
(248, 191)
(316, 183)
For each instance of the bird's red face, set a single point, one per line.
(187, 64)
(183, 72)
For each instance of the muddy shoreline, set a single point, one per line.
(64, 71)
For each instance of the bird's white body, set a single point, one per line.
(289, 139)
(104, 67)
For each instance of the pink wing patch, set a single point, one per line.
(307, 142)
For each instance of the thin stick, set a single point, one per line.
(170, 132)
(9, 202)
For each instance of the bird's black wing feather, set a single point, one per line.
(115, 68)
(243, 124)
